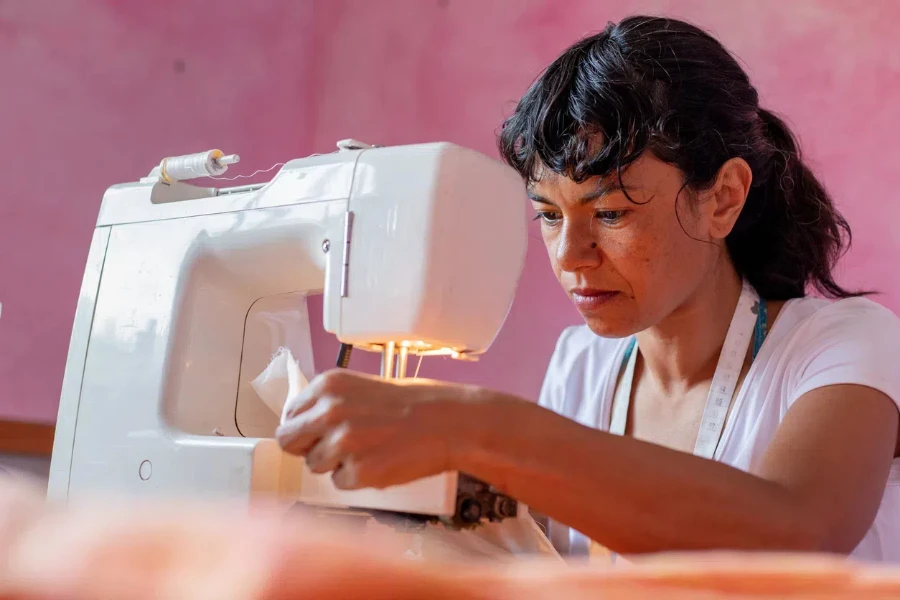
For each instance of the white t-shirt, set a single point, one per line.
(812, 344)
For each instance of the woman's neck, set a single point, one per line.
(683, 350)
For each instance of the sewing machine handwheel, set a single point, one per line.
(469, 510)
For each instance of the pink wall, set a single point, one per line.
(96, 94)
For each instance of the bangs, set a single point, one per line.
(589, 114)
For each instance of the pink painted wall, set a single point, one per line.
(96, 93)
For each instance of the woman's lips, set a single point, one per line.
(589, 299)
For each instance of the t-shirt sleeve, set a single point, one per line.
(553, 390)
(849, 342)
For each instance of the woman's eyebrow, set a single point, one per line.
(534, 197)
(602, 190)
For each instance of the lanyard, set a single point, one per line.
(748, 324)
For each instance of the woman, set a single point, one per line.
(681, 220)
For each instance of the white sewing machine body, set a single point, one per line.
(189, 291)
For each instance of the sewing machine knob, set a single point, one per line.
(505, 507)
(470, 510)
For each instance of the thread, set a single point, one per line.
(258, 171)
(253, 174)
(211, 163)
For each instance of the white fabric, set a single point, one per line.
(279, 382)
(813, 343)
(509, 539)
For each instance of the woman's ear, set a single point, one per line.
(728, 195)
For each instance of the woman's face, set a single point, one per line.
(627, 265)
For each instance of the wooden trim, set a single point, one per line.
(19, 437)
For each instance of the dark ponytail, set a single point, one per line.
(790, 235)
(668, 87)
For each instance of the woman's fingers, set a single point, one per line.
(385, 465)
(331, 450)
(337, 383)
(300, 433)
(346, 475)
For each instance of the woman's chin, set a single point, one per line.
(609, 315)
(608, 327)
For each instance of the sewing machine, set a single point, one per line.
(190, 290)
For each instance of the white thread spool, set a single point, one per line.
(191, 166)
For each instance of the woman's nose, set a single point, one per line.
(577, 248)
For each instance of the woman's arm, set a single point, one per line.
(817, 488)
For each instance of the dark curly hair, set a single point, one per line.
(663, 85)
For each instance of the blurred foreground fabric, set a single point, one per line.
(111, 549)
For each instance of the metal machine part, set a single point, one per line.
(476, 503)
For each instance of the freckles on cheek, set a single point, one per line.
(633, 249)
(639, 259)
(645, 256)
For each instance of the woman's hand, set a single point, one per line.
(376, 433)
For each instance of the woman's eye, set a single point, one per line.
(610, 217)
(550, 218)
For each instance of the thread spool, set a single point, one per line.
(211, 163)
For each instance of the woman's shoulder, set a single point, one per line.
(849, 341)
(817, 318)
